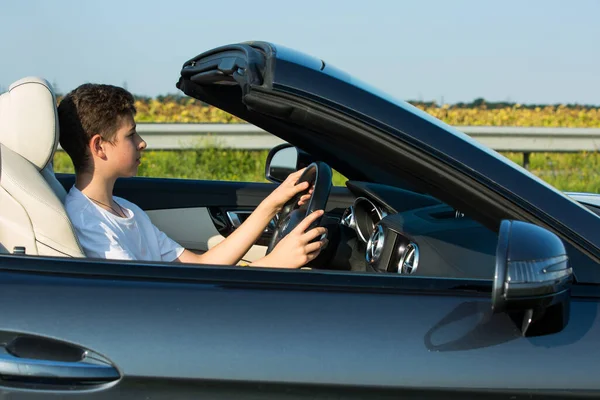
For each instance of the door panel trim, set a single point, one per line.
(190, 227)
(325, 280)
(164, 193)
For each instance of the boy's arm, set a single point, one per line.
(232, 249)
(293, 251)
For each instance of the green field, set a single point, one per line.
(568, 172)
(208, 164)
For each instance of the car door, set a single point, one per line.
(95, 329)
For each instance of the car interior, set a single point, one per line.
(372, 227)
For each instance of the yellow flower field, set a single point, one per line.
(193, 111)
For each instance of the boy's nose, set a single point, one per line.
(142, 144)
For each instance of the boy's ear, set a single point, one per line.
(97, 146)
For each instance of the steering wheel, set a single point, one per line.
(319, 175)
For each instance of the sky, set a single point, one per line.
(525, 51)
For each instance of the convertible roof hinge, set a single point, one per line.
(240, 65)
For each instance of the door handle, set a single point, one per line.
(87, 370)
(236, 218)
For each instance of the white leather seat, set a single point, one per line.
(32, 214)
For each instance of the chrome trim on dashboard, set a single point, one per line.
(348, 218)
(379, 212)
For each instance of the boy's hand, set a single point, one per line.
(306, 197)
(288, 189)
(296, 249)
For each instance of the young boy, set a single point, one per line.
(97, 130)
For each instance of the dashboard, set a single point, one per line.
(402, 232)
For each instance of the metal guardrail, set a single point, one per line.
(249, 137)
(187, 136)
(525, 139)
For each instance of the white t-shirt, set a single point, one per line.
(105, 235)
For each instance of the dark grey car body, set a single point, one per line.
(169, 331)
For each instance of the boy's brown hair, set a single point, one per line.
(88, 110)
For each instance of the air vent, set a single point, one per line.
(375, 245)
(410, 260)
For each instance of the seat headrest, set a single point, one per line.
(29, 120)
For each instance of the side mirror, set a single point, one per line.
(533, 278)
(285, 159)
(281, 161)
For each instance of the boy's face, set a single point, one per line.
(124, 154)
